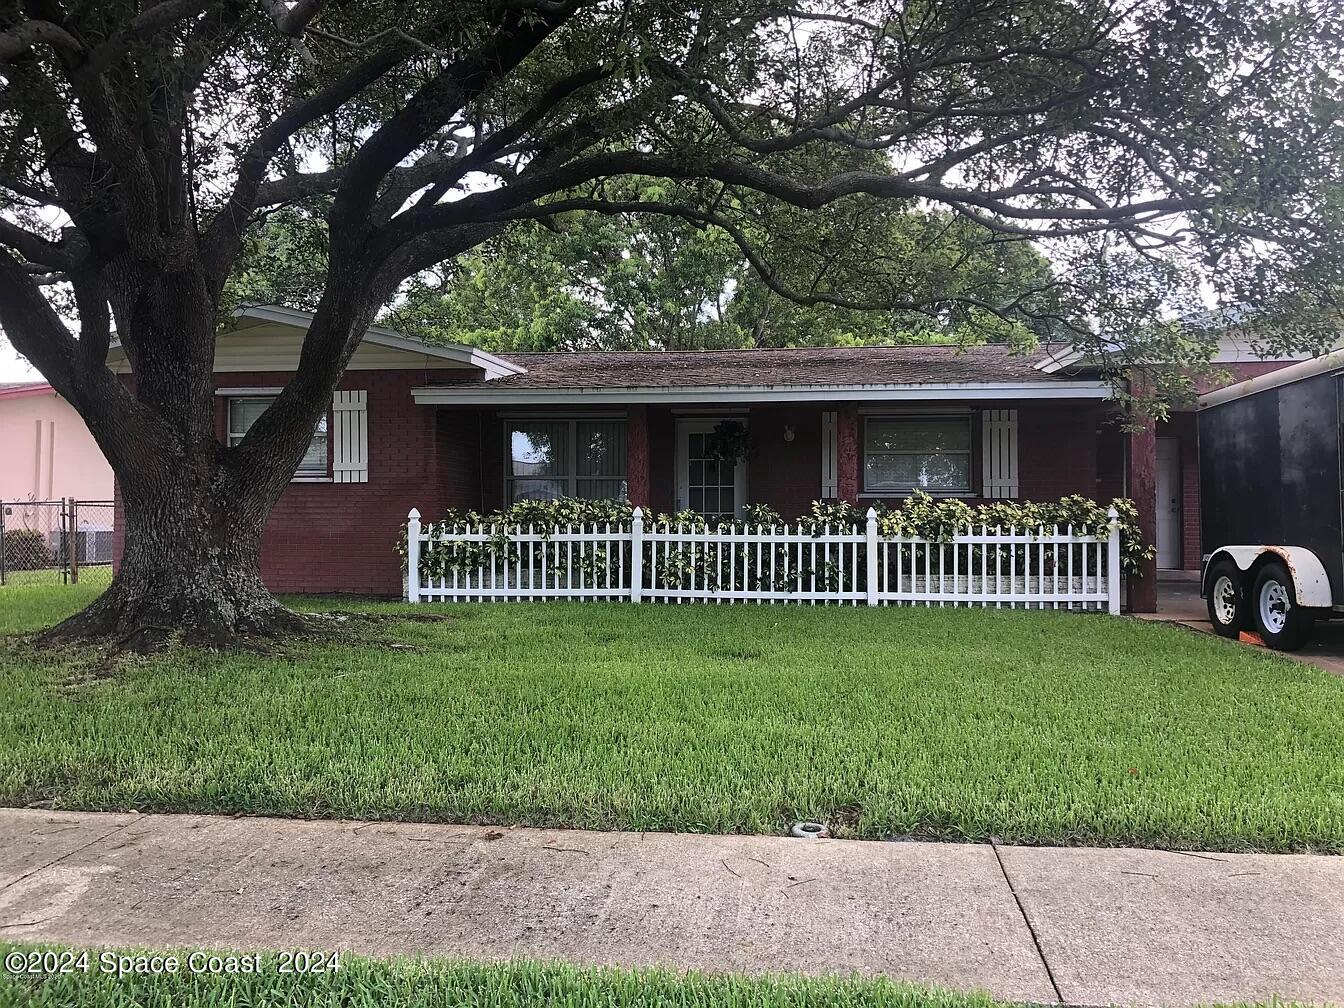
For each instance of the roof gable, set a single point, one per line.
(269, 338)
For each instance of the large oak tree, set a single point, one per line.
(1149, 145)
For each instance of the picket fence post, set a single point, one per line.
(871, 557)
(413, 556)
(1113, 564)
(637, 555)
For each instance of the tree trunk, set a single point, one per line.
(188, 573)
(193, 509)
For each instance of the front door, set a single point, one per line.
(1168, 503)
(709, 486)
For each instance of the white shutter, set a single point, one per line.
(999, 449)
(350, 437)
(830, 452)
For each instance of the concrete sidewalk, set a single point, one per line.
(1080, 925)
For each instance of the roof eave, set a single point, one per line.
(494, 367)
(25, 391)
(434, 395)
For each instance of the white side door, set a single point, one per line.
(708, 486)
(1168, 503)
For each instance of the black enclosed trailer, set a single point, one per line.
(1270, 501)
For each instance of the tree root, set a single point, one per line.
(135, 620)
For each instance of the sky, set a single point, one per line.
(14, 368)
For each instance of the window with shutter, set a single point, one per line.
(244, 412)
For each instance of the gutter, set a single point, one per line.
(434, 395)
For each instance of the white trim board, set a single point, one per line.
(1231, 350)
(436, 395)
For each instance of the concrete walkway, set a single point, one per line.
(1080, 925)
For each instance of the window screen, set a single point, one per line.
(908, 453)
(243, 413)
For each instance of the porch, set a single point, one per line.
(669, 458)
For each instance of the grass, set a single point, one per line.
(421, 983)
(93, 577)
(31, 578)
(1032, 726)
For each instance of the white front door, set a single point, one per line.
(1168, 503)
(708, 486)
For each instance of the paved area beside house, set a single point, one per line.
(1079, 925)
(1179, 602)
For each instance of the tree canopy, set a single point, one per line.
(1155, 151)
(637, 282)
(1154, 148)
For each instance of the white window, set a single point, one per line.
(931, 453)
(243, 413)
(550, 459)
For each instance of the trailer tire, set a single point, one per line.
(1283, 624)
(1227, 599)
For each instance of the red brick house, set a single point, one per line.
(437, 427)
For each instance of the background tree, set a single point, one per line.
(1152, 145)
(644, 282)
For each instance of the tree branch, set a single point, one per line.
(34, 247)
(18, 40)
(802, 193)
(220, 241)
(295, 20)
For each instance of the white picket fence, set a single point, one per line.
(1040, 568)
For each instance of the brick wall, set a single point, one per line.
(662, 460)
(784, 474)
(341, 537)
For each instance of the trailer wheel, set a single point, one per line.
(1227, 599)
(1284, 625)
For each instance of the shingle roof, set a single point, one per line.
(903, 365)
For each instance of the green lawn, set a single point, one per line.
(1048, 727)
(31, 578)
(94, 578)
(422, 983)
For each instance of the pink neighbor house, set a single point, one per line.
(47, 451)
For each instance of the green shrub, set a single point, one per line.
(26, 549)
(919, 517)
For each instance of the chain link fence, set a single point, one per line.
(55, 542)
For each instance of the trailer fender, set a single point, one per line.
(1310, 582)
